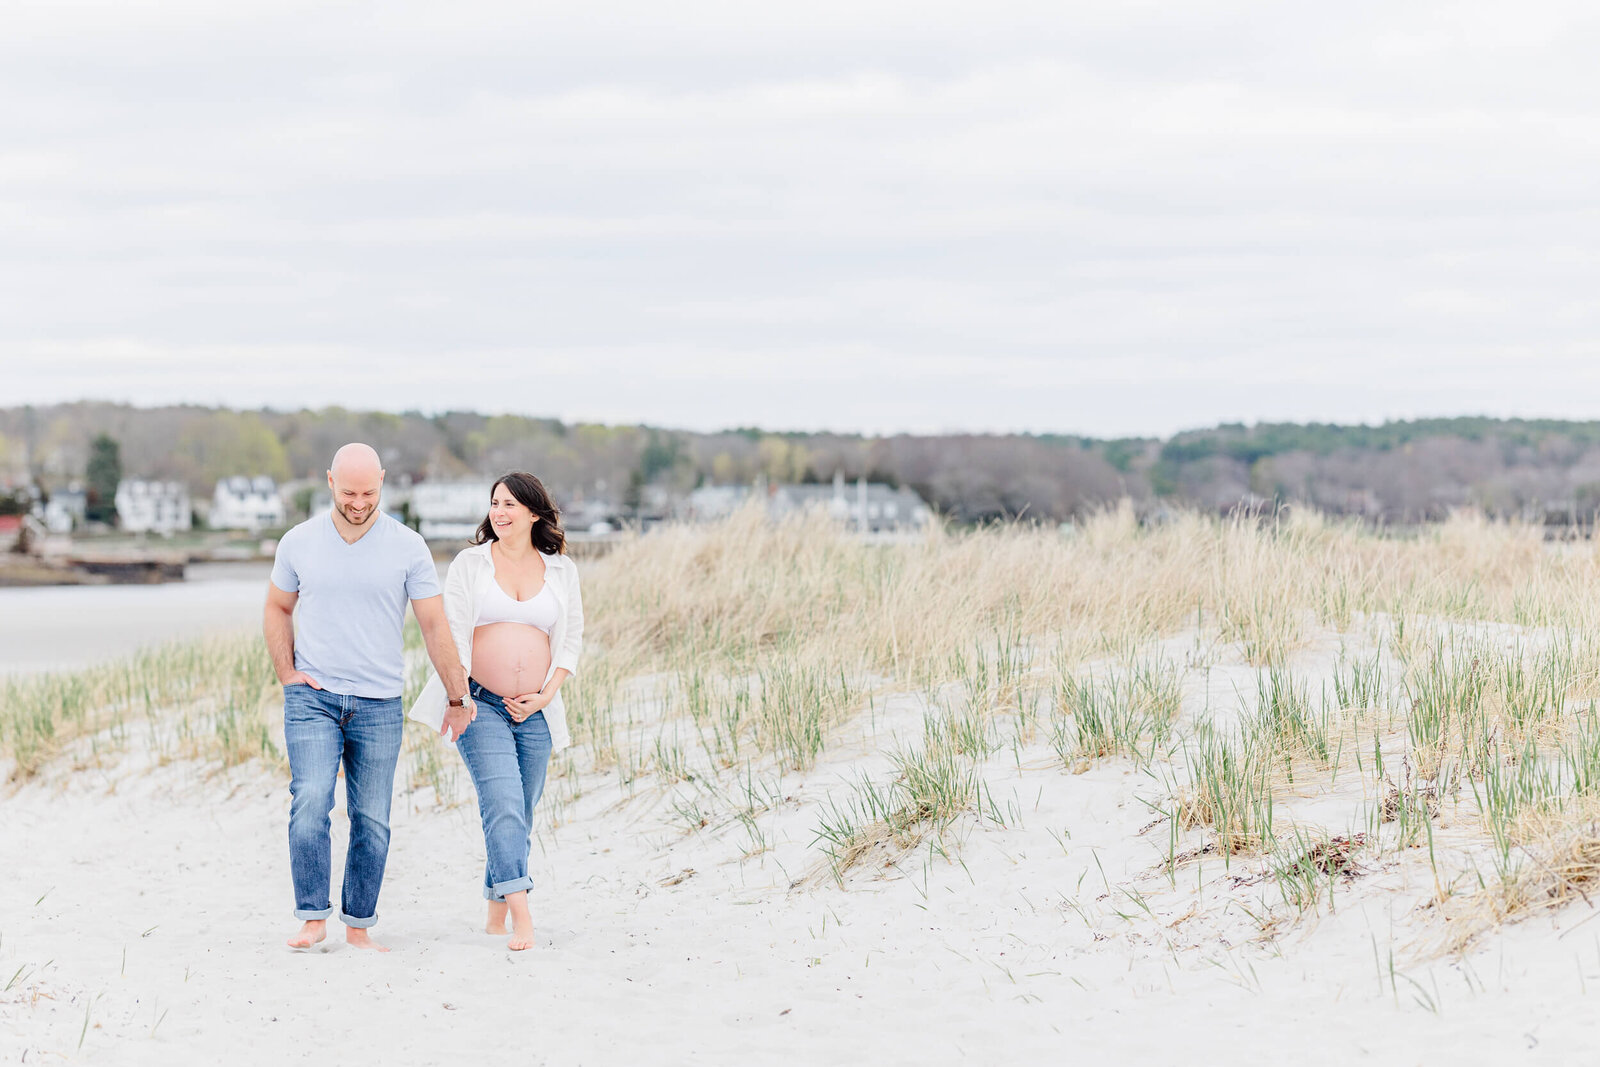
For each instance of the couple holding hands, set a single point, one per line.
(503, 637)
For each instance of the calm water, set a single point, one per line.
(60, 627)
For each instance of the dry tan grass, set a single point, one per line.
(737, 588)
(739, 599)
(732, 598)
(711, 647)
(1558, 864)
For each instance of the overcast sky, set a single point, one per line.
(1106, 218)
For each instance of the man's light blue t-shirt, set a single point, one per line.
(353, 601)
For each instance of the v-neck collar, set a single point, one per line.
(333, 525)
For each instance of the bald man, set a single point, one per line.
(351, 572)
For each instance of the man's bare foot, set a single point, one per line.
(496, 923)
(313, 931)
(357, 937)
(521, 937)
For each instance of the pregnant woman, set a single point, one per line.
(517, 618)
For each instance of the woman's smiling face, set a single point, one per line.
(509, 517)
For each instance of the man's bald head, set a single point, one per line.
(355, 479)
(355, 460)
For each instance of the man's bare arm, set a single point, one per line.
(441, 645)
(277, 623)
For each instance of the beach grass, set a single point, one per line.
(211, 699)
(1448, 670)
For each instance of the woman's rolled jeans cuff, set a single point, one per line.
(359, 924)
(500, 891)
(312, 916)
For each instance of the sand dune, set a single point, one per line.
(143, 910)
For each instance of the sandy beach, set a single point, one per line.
(715, 885)
(145, 909)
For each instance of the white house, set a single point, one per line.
(449, 511)
(861, 505)
(711, 502)
(242, 503)
(152, 507)
(864, 506)
(65, 510)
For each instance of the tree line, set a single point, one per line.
(1399, 471)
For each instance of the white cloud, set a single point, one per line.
(1101, 217)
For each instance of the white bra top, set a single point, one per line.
(496, 605)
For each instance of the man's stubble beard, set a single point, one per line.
(345, 511)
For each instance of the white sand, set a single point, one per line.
(165, 899)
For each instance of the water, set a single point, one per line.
(64, 627)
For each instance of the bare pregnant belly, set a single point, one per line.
(510, 658)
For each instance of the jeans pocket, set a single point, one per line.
(300, 702)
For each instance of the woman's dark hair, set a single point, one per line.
(548, 537)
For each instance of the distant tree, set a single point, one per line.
(633, 496)
(783, 460)
(13, 466)
(660, 454)
(227, 443)
(1396, 472)
(104, 474)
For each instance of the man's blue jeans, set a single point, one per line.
(507, 761)
(321, 730)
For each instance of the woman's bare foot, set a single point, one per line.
(496, 923)
(521, 922)
(357, 937)
(313, 931)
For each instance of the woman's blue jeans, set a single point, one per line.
(507, 761)
(321, 730)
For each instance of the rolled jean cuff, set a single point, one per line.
(499, 890)
(359, 924)
(307, 915)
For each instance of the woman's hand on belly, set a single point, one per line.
(520, 707)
